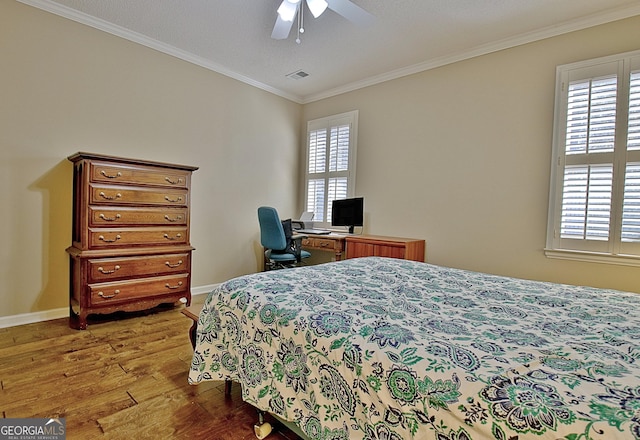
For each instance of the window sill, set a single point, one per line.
(593, 257)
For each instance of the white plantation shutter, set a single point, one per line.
(586, 202)
(317, 151)
(594, 207)
(633, 135)
(591, 115)
(339, 153)
(631, 207)
(338, 189)
(316, 197)
(330, 167)
(590, 127)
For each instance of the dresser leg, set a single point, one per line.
(78, 322)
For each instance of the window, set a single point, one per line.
(331, 163)
(594, 208)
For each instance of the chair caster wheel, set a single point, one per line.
(263, 430)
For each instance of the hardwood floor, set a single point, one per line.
(119, 379)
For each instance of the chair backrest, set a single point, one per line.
(271, 230)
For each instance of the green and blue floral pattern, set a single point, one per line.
(376, 348)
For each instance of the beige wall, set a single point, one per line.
(457, 155)
(66, 87)
(460, 156)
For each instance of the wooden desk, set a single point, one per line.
(326, 242)
(354, 246)
(381, 246)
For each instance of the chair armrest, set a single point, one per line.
(297, 245)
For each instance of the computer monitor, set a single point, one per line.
(347, 212)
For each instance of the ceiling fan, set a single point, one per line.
(290, 8)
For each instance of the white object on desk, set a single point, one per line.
(313, 231)
(306, 216)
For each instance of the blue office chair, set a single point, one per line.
(279, 252)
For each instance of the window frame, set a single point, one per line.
(327, 123)
(613, 250)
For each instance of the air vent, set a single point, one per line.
(299, 74)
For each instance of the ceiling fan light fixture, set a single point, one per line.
(287, 10)
(317, 7)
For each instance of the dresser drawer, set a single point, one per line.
(109, 269)
(118, 237)
(138, 175)
(122, 195)
(107, 293)
(107, 216)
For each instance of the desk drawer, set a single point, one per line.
(319, 243)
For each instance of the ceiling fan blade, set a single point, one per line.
(281, 29)
(351, 12)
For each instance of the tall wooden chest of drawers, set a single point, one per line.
(131, 248)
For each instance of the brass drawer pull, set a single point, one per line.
(325, 244)
(102, 295)
(106, 240)
(118, 174)
(108, 272)
(173, 265)
(173, 220)
(173, 287)
(104, 196)
(173, 182)
(179, 199)
(172, 238)
(110, 219)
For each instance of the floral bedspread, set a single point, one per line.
(376, 348)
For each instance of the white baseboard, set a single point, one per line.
(29, 318)
(202, 290)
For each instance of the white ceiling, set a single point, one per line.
(233, 37)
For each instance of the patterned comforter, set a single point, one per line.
(376, 348)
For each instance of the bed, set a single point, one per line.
(379, 348)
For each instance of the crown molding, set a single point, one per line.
(507, 43)
(127, 34)
(552, 31)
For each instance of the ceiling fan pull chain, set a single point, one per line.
(300, 21)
